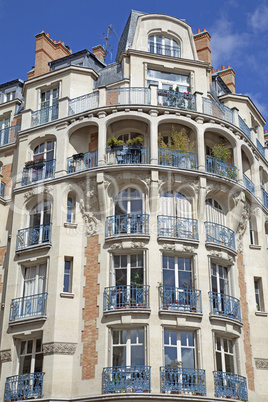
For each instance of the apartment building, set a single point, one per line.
(134, 224)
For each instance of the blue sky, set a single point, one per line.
(238, 29)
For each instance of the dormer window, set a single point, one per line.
(164, 46)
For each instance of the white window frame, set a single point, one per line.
(176, 270)
(128, 268)
(129, 199)
(215, 212)
(128, 343)
(178, 346)
(68, 275)
(176, 205)
(32, 354)
(174, 46)
(223, 353)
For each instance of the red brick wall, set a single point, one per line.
(202, 44)
(6, 172)
(89, 358)
(94, 142)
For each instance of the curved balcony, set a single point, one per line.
(179, 159)
(45, 115)
(126, 379)
(37, 171)
(261, 148)
(248, 184)
(220, 234)
(2, 190)
(217, 109)
(180, 228)
(229, 385)
(182, 380)
(28, 307)
(83, 103)
(131, 296)
(243, 126)
(130, 95)
(8, 135)
(265, 198)
(171, 98)
(127, 224)
(224, 306)
(217, 166)
(180, 299)
(82, 161)
(24, 386)
(33, 236)
(123, 155)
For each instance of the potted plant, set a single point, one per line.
(78, 156)
(114, 143)
(135, 143)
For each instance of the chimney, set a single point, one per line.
(99, 52)
(202, 44)
(228, 76)
(46, 50)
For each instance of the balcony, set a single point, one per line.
(216, 166)
(28, 307)
(2, 189)
(180, 299)
(122, 155)
(128, 224)
(82, 161)
(164, 50)
(217, 109)
(84, 103)
(37, 171)
(126, 96)
(261, 148)
(180, 380)
(224, 305)
(244, 127)
(132, 296)
(248, 184)
(180, 228)
(24, 386)
(8, 135)
(180, 100)
(265, 198)
(45, 115)
(220, 234)
(33, 236)
(229, 385)
(126, 379)
(178, 159)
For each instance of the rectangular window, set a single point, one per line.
(31, 356)
(177, 272)
(128, 269)
(258, 294)
(128, 347)
(224, 354)
(179, 347)
(10, 95)
(67, 280)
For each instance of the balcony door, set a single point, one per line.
(175, 204)
(39, 226)
(128, 210)
(224, 355)
(177, 272)
(214, 212)
(49, 99)
(128, 347)
(43, 155)
(179, 347)
(31, 356)
(220, 287)
(34, 286)
(4, 131)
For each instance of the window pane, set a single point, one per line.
(120, 277)
(38, 363)
(123, 260)
(187, 356)
(190, 339)
(116, 261)
(170, 355)
(183, 339)
(133, 335)
(229, 363)
(218, 361)
(173, 338)
(119, 356)
(141, 335)
(137, 355)
(115, 337)
(38, 345)
(29, 347)
(166, 337)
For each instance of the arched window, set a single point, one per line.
(176, 204)
(164, 46)
(128, 201)
(70, 208)
(45, 151)
(214, 212)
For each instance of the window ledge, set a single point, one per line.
(261, 313)
(70, 225)
(254, 246)
(67, 295)
(32, 248)
(27, 320)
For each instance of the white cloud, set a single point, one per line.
(259, 19)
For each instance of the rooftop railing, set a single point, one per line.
(8, 135)
(127, 155)
(2, 189)
(164, 50)
(28, 306)
(24, 386)
(179, 159)
(248, 184)
(131, 296)
(180, 299)
(224, 305)
(126, 379)
(44, 115)
(220, 234)
(82, 161)
(217, 109)
(183, 380)
(130, 95)
(37, 171)
(33, 236)
(243, 126)
(217, 166)
(230, 385)
(84, 103)
(179, 227)
(265, 198)
(171, 98)
(261, 148)
(127, 224)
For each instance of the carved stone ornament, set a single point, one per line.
(137, 244)
(242, 226)
(189, 249)
(5, 356)
(89, 205)
(261, 364)
(29, 194)
(168, 246)
(215, 253)
(145, 177)
(116, 246)
(59, 348)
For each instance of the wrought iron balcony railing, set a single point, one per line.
(33, 236)
(216, 166)
(179, 159)
(230, 385)
(248, 184)
(180, 100)
(265, 198)
(220, 234)
(131, 296)
(84, 103)
(126, 379)
(164, 50)
(2, 190)
(8, 135)
(44, 115)
(130, 95)
(180, 299)
(261, 148)
(127, 155)
(182, 380)
(127, 224)
(224, 305)
(243, 126)
(28, 306)
(80, 162)
(181, 228)
(38, 171)
(217, 109)
(24, 386)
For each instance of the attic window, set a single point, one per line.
(164, 46)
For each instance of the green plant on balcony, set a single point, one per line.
(179, 141)
(220, 152)
(135, 142)
(115, 143)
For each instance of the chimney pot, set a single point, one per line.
(204, 30)
(218, 69)
(228, 66)
(199, 30)
(63, 43)
(42, 31)
(47, 34)
(265, 131)
(213, 70)
(223, 67)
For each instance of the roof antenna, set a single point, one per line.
(107, 43)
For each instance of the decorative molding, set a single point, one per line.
(5, 356)
(29, 194)
(89, 203)
(168, 246)
(116, 246)
(261, 364)
(137, 244)
(189, 249)
(59, 348)
(242, 226)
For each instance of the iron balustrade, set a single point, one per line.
(171, 98)
(38, 171)
(243, 126)
(84, 103)
(217, 109)
(127, 155)
(128, 296)
(126, 379)
(260, 148)
(164, 50)
(8, 135)
(179, 159)
(82, 161)
(230, 385)
(127, 224)
(179, 227)
(180, 299)
(217, 166)
(265, 198)
(2, 190)
(34, 235)
(24, 386)
(220, 234)
(130, 95)
(248, 184)
(224, 305)
(183, 380)
(44, 115)
(28, 306)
